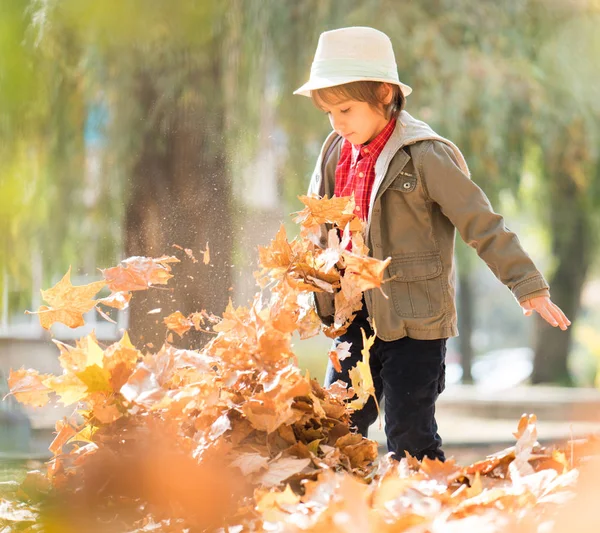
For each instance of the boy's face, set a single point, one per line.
(355, 121)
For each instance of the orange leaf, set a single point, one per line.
(27, 387)
(118, 300)
(139, 273)
(179, 323)
(366, 272)
(323, 210)
(64, 431)
(68, 303)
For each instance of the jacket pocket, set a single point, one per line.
(417, 285)
(405, 182)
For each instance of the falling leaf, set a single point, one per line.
(154, 311)
(139, 273)
(118, 300)
(339, 353)
(27, 386)
(362, 380)
(178, 323)
(68, 303)
(206, 254)
(64, 431)
(365, 272)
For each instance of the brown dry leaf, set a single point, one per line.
(442, 472)
(250, 463)
(281, 469)
(319, 211)
(28, 388)
(139, 273)
(278, 254)
(178, 323)
(68, 303)
(188, 252)
(365, 272)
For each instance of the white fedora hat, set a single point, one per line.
(352, 54)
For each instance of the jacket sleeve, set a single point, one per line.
(470, 211)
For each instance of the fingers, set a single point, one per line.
(552, 314)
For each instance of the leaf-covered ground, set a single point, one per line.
(232, 437)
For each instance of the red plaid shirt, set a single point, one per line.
(355, 171)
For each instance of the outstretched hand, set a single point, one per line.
(549, 311)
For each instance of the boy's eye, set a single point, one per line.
(345, 110)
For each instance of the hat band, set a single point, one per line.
(353, 68)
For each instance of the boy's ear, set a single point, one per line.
(385, 93)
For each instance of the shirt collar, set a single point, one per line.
(374, 148)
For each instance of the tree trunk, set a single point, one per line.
(180, 193)
(572, 243)
(465, 259)
(466, 324)
(552, 345)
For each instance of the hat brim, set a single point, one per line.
(323, 83)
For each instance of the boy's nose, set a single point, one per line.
(338, 125)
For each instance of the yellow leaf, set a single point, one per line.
(362, 380)
(68, 303)
(97, 379)
(68, 387)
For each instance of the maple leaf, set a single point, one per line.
(365, 272)
(28, 388)
(69, 388)
(85, 353)
(96, 379)
(278, 254)
(68, 303)
(139, 273)
(337, 210)
(178, 323)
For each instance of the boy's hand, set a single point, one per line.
(550, 312)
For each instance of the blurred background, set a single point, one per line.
(128, 126)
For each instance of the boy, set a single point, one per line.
(412, 187)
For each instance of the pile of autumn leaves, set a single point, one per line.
(233, 436)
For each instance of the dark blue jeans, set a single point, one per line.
(410, 375)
